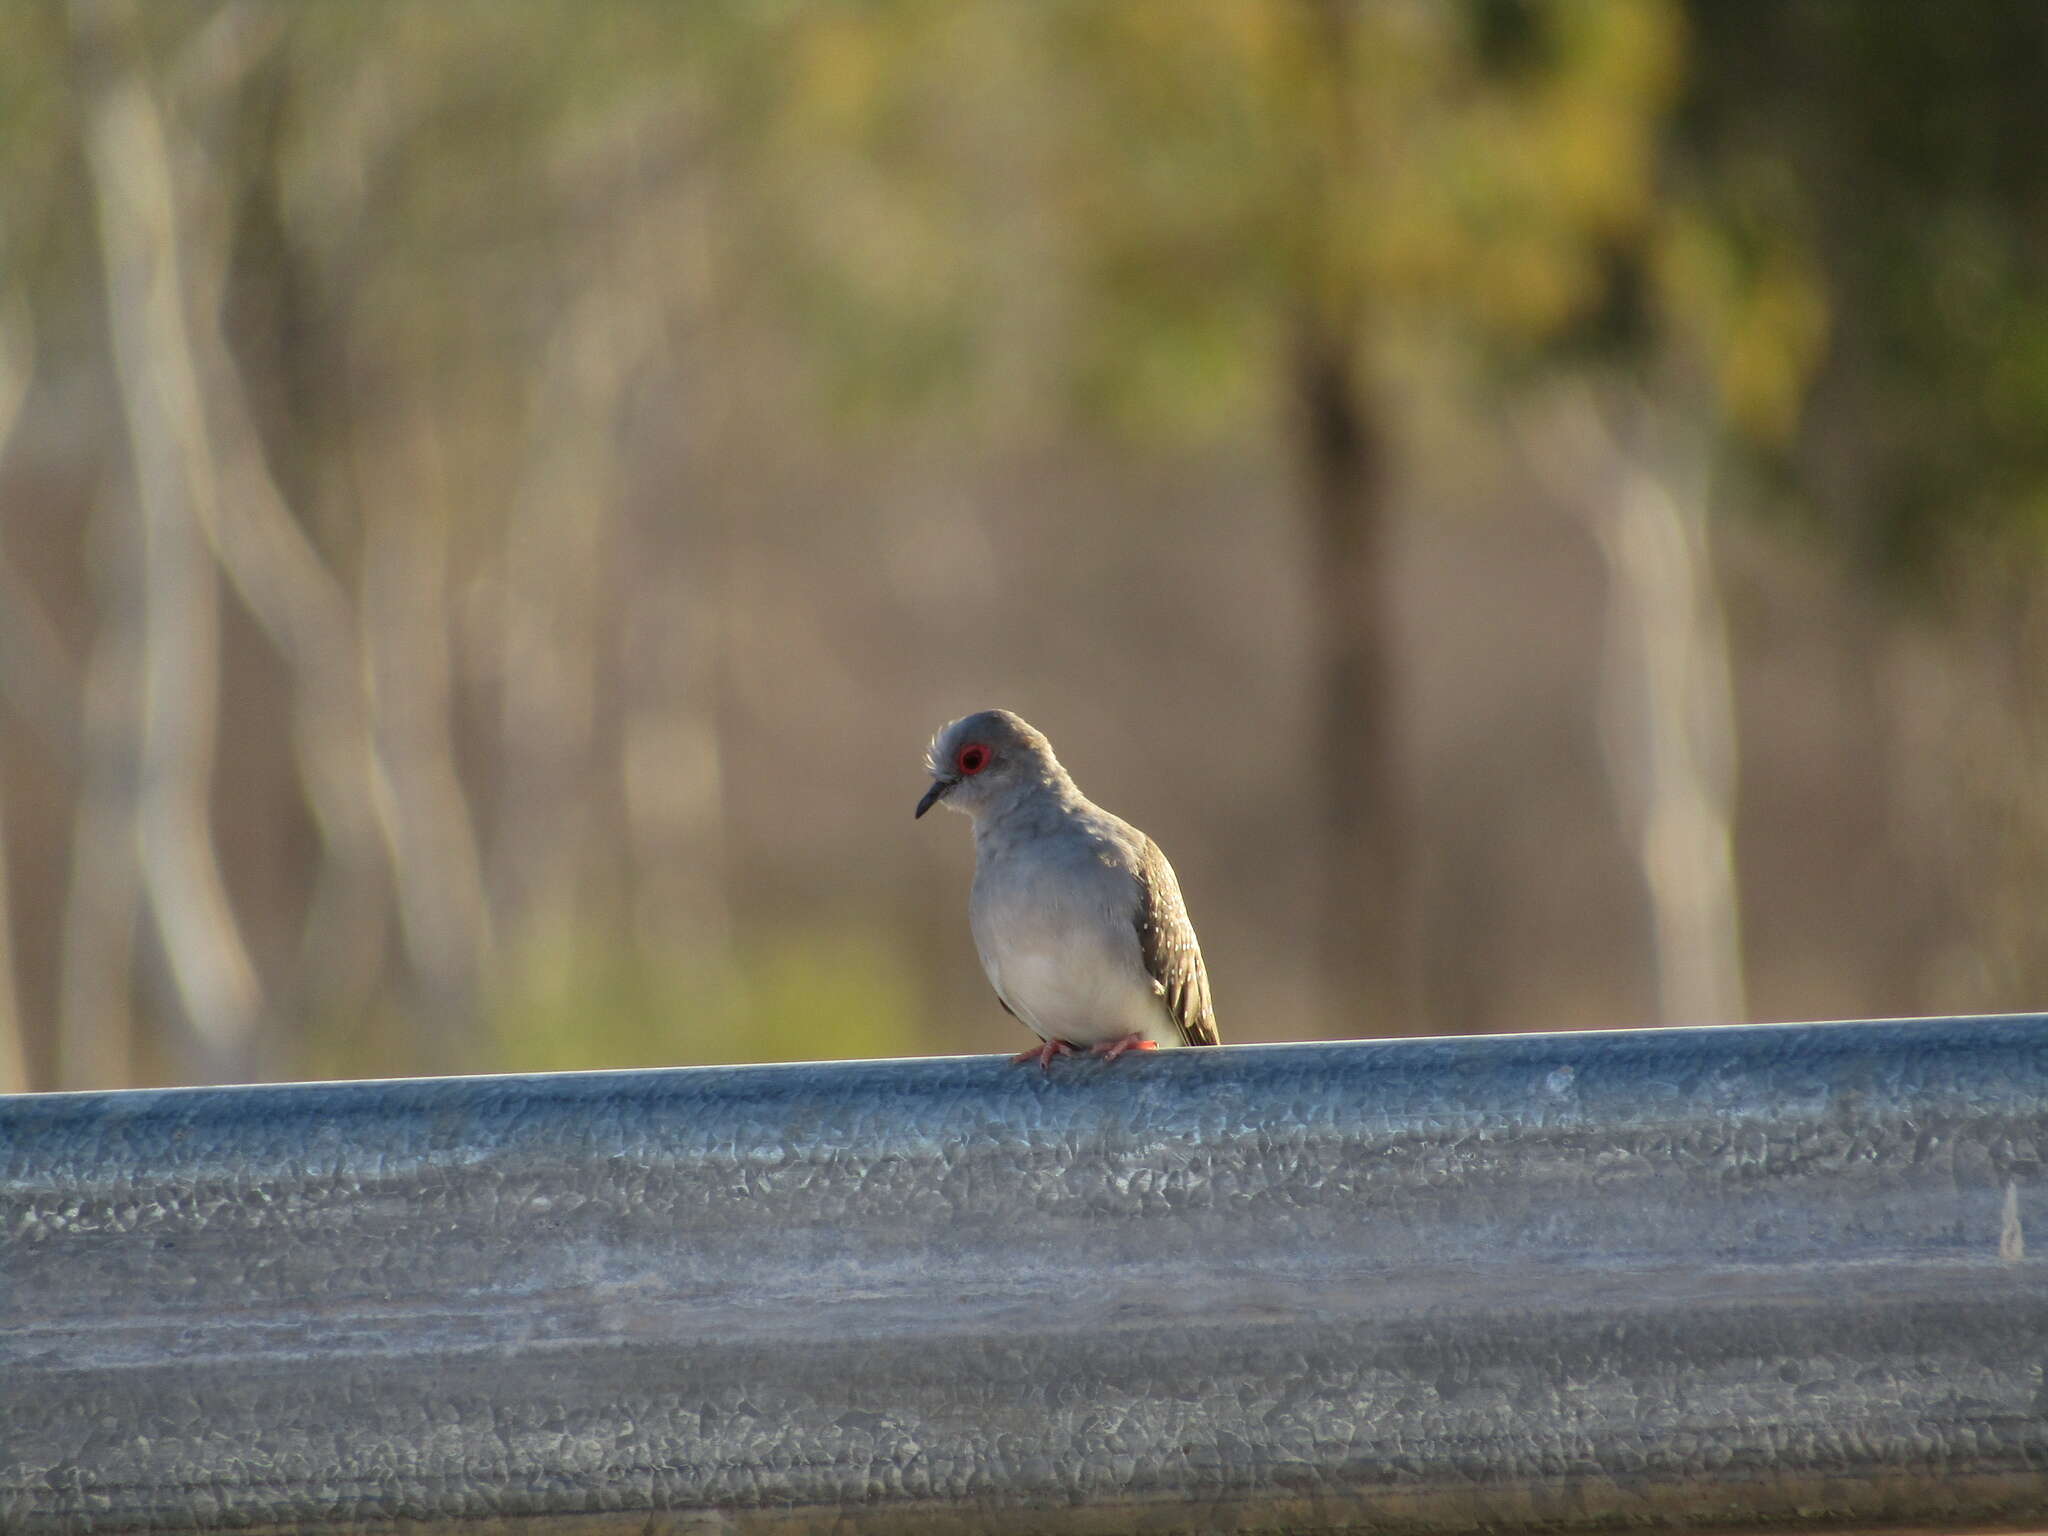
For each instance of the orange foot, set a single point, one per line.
(1109, 1050)
(1043, 1054)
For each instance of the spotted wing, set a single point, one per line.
(1167, 940)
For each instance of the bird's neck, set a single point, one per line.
(1036, 808)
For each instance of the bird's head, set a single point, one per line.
(981, 760)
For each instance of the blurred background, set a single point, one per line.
(1538, 505)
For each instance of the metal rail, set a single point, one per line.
(1772, 1278)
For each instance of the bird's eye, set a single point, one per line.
(973, 758)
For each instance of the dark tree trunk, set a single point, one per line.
(1366, 940)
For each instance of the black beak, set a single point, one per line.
(934, 795)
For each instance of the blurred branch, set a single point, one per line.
(176, 488)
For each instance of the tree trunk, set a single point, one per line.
(555, 621)
(261, 543)
(13, 1050)
(1368, 954)
(95, 1010)
(429, 830)
(16, 349)
(1667, 708)
(175, 482)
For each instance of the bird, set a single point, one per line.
(1076, 914)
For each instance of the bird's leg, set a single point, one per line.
(1109, 1050)
(1043, 1054)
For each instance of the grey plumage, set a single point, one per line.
(1077, 916)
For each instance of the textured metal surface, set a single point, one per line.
(1775, 1278)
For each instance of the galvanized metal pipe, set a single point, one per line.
(1777, 1278)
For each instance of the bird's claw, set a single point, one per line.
(1109, 1050)
(1043, 1054)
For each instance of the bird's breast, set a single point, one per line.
(1069, 969)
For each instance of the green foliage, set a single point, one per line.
(584, 1001)
(40, 247)
(1242, 169)
(1900, 147)
(1739, 290)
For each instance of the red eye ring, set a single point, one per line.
(972, 759)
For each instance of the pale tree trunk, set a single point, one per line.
(37, 677)
(95, 1004)
(311, 621)
(287, 585)
(672, 759)
(424, 812)
(554, 624)
(94, 1045)
(1968, 752)
(86, 722)
(1667, 705)
(561, 645)
(16, 364)
(13, 1048)
(671, 633)
(176, 488)
(673, 769)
